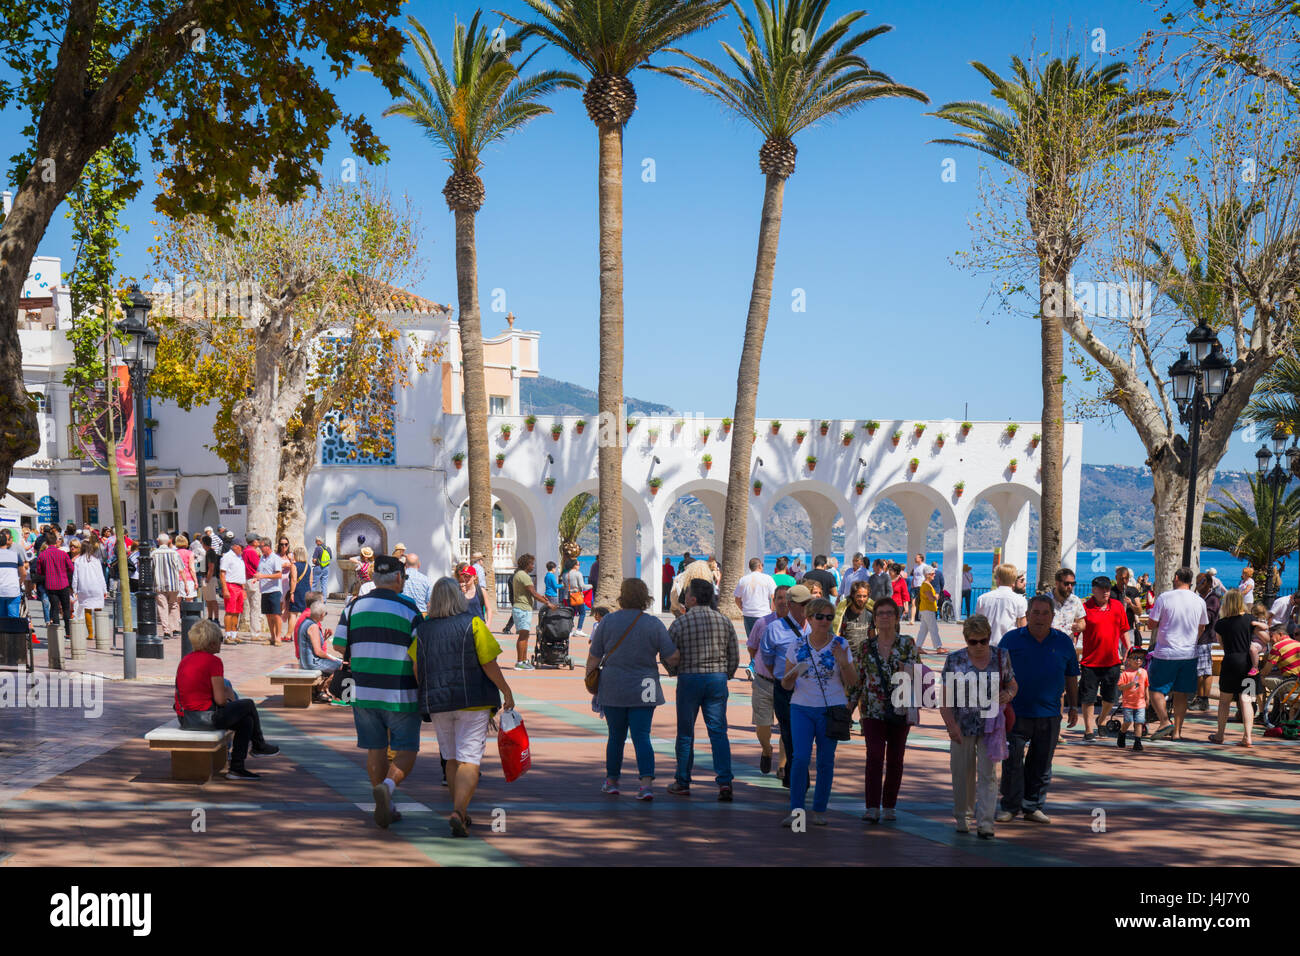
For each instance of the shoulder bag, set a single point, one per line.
(592, 680)
(839, 725)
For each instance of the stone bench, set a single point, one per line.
(196, 754)
(296, 684)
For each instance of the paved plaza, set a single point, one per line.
(87, 792)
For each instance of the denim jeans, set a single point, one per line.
(809, 725)
(11, 607)
(581, 612)
(319, 578)
(1025, 777)
(45, 602)
(707, 692)
(620, 721)
(781, 708)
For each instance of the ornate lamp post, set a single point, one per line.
(1276, 479)
(1198, 385)
(141, 345)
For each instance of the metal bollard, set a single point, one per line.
(191, 613)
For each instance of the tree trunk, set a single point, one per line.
(1170, 499)
(1053, 425)
(265, 436)
(735, 520)
(296, 460)
(474, 388)
(610, 387)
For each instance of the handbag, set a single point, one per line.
(592, 680)
(839, 725)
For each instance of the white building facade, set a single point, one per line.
(416, 494)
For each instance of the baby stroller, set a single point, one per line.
(947, 610)
(553, 630)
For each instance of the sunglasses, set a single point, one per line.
(973, 643)
(823, 617)
(1067, 584)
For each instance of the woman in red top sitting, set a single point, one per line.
(204, 701)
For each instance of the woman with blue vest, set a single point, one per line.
(461, 685)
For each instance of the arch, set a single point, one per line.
(521, 507)
(347, 546)
(650, 530)
(822, 502)
(203, 512)
(1014, 504)
(918, 501)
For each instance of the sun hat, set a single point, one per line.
(367, 552)
(399, 547)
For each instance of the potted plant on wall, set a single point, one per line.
(824, 427)
(799, 436)
(708, 462)
(653, 434)
(579, 425)
(847, 438)
(704, 435)
(550, 485)
(758, 488)
(505, 432)
(871, 427)
(939, 439)
(458, 459)
(655, 484)
(918, 429)
(1012, 466)
(811, 462)
(556, 430)
(958, 488)
(896, 438)
(1034, 440)
(501, 460)
(914, 464)
(678, 424)
(726, 426)
(860, 485)
(530, 422)
(776, 427)
(631, 424)
(1011, 429)
(965, 429)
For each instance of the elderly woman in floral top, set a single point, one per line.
(976, 747)
(884, 726)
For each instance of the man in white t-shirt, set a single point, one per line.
(754, 593)
(270, 572)
(1177, 619)
(1005, 609)
(233, 576)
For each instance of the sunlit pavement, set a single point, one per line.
(84, 791)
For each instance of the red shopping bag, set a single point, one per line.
(512, 743)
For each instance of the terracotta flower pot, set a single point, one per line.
(859, 488)
(848, 442)
(653, 492)
(757, 492)
(726, 429)
(812, 467)
(895, 441)
(531, 427)
(579, 428)
(501, 462)
(798, 439)
(824, 429)
(458, 464)
(871, 432)
(708, 465)
(550, 489)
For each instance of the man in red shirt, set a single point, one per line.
(1105, 642)
(54, 568)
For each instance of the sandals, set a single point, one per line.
(458, 825)
(1215, 739)
(1166, 731)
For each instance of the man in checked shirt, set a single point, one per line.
(710, 655)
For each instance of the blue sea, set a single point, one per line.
(1088, 565)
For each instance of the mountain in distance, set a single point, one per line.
(549, 396)
(1115, 508)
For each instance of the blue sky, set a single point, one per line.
(892, 327)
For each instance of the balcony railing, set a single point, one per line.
(503, 552)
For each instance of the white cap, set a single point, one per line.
(1212, 572)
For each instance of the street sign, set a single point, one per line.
(47, 510)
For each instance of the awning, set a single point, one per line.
(10, 503)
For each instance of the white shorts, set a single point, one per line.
(462, 734)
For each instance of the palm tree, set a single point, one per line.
(790, 75)
(479, 101)
(1058, 122)
(577, 515)
(1244, 534)
(610, 39)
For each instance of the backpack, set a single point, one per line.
(325, 557)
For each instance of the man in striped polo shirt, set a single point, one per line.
(375, 635)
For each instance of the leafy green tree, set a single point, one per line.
(791, 75)
(480, 101)
(576, 517)
(214, 90)
(1243, 532)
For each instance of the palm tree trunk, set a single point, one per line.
(474, 389)
(610, 388)
(1053, 425)
(736, 514)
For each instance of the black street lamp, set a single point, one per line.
(1276, 479)
(139, 352)
(1199, 383)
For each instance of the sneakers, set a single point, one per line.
(765, 763)
(265, 750)
(1121, 738)
(524, 666)
(645, 793)
(819, 819)
(724, 794)
(1004, 816)
(872, 815)
(1037, 816)
(1089, 737)
(679, 789)
(986, 834)
(888, 814)
(963, 826)
(1201, 704)
(383, 805)
(241, 773)
(610, 787)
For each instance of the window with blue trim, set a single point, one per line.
(344, 440)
